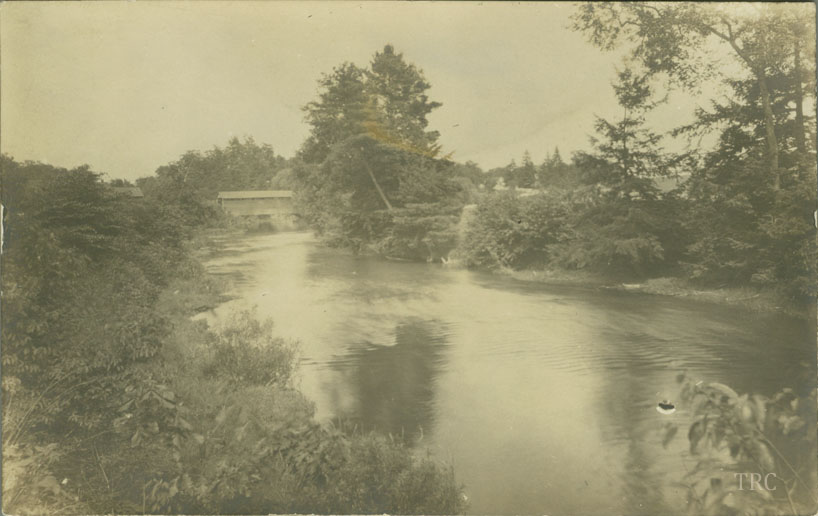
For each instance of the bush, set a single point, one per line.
(745, 232)
(245, 352)
(114, 401)
(617, 238)
(254, 446)
(576, 230)
(734, 434)
(382, 475)
(420, 232)
(515, 232)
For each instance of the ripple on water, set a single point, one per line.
(543, 397)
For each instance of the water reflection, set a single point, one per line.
(394, 385)
(542, 397)
(630, 423)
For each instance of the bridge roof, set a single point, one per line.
(131, 191)
(255, 194)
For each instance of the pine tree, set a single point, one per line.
(622, 227)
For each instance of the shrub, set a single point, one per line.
(245, 352)
(734, 434)
(512, 231)
(382, 475)
(254, 446)
(114, 401)
(420, 232)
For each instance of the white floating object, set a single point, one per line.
(665, 407)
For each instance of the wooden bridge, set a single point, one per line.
(275, 205)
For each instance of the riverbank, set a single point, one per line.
(753, 299)
(235, 370)
(402, 347)
(750, 298)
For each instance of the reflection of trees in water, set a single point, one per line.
(642, 483)
(727, 348)
(394, 385)
(623, 407)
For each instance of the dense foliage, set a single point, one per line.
(516, 232)
(371, 177)
(748, 204)
(82, 271)
(603, 212)
(738, 214)
(115, 401)
(192, 182)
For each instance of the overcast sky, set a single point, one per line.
(128, 86)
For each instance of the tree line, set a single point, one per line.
(371, 175)
(116, 401)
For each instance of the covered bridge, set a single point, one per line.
(265, 204)
(128, 191)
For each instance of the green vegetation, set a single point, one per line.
(371, 177)
(739, 215)
(602, 213)
(735, 435)
(115, 401)
(192, 182)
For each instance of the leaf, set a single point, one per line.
(221, 416)
(760, 411)
(241, 431)
(199, 438)
(765, 457)
(713, 500)
(699, 402)
(724, 390)
(746, 412)
(184, 424)
(697, 431)
(50, 483)
(670, 433)
(790, 423)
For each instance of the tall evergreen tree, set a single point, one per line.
(622, 228)
(675, 39)
(627, 155)
(370, 155)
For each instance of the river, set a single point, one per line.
(542, 397)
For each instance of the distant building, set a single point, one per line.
(521, 192)
(128, 191)
(265, 204)
(666, 184)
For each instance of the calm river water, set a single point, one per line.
(542, 397)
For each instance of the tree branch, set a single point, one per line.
(377, 186)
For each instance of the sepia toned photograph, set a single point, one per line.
(384, 257)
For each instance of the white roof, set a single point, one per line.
(132, 191)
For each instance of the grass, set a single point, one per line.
(255, 445)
